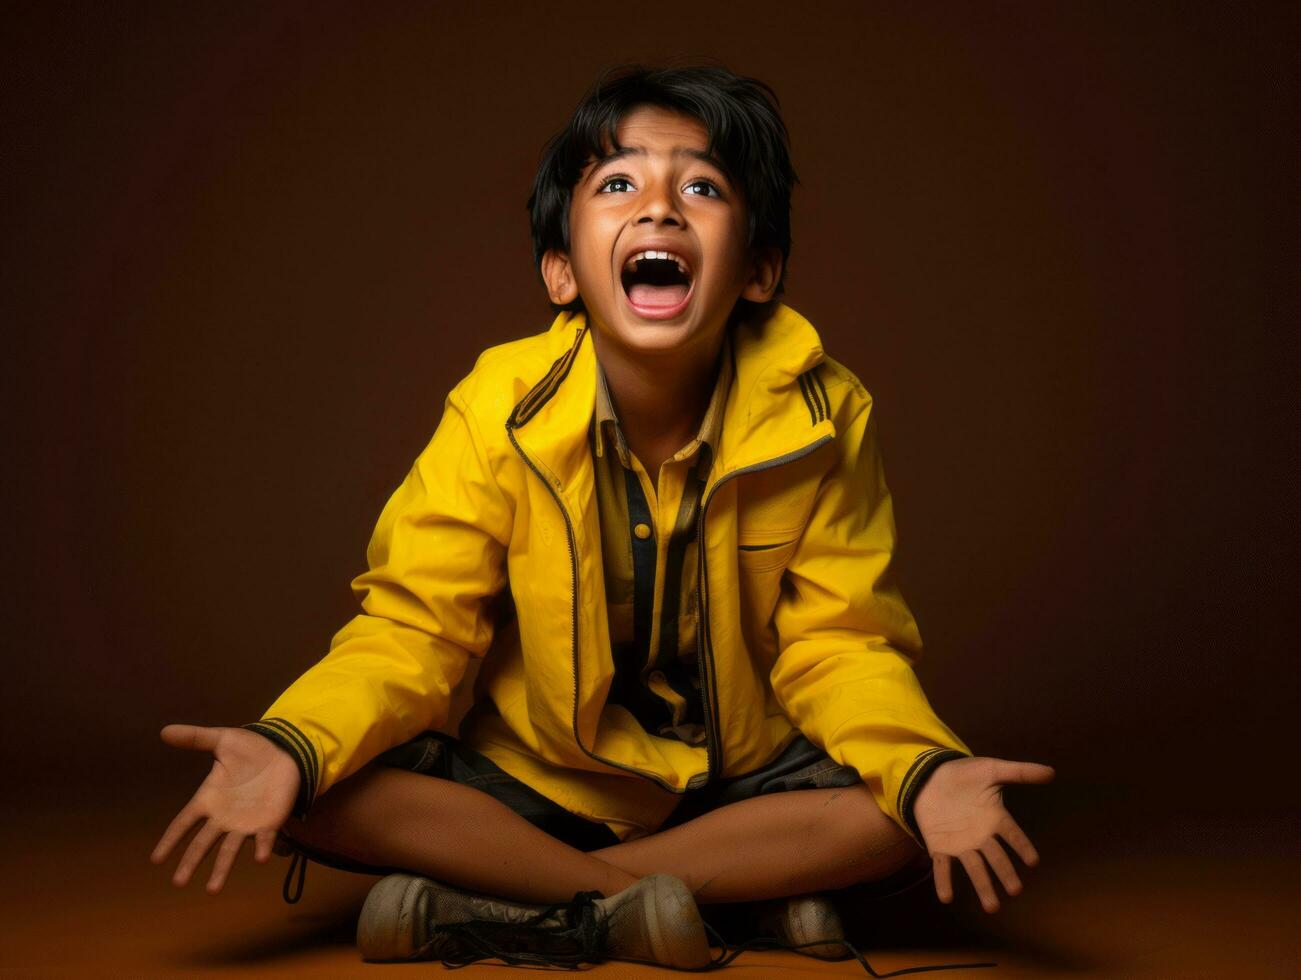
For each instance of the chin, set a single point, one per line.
(654, 335)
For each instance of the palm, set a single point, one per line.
(973, 815)
(249, 792)
(245, 789)
(961, 816)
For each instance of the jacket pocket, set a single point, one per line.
(764, 551)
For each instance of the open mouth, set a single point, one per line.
(656, 283)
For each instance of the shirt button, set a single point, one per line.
(642, 531)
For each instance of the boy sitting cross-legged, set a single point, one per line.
(662, 527)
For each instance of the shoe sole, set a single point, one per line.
(818, 920)
(389, 921)
(673, 925)
(391, 926)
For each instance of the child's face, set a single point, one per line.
(661, 194)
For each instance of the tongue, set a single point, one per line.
(644, 294)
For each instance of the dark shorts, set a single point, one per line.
(802, 765)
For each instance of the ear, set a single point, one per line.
(558, 274)
(765, 273)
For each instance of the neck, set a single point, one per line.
(660, 400)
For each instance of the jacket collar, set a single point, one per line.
(775, 405)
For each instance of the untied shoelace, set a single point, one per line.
(584, 940)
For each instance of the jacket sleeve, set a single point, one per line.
(847, 640)
(436, 559)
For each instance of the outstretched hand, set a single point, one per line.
(250, 792)
(961, 815)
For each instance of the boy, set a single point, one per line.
(662, 526)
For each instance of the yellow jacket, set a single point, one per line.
(491, 548)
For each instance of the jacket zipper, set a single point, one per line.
(570, 542)
(713, 745)
(713, 737)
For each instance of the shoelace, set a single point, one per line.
(483, 939)
(298, 862)
(584, 941)
(731, 952)
(566, 946)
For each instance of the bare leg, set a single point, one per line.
(435, 827)
(775, 845)
(780, 844)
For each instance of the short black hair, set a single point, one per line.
(746, 133)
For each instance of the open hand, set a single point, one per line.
(961, 815)
(249, 792)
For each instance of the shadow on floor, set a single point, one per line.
(334, 926)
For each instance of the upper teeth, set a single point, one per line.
(631, 264)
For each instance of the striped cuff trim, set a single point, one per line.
(293, 741)
(915, 779)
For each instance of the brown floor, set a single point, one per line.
(80, 898)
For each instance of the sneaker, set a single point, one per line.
(411, 918)
(805, 919)
(809, 924)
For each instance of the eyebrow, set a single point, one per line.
(639, 151)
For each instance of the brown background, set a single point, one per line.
(249, 248)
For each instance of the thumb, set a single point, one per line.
(1023, 772)
(191, 737)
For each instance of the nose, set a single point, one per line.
(660, 206)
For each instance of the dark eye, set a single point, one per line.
(615, 185)
(706, 189)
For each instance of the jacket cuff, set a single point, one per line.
(300, 749)
(920, 771)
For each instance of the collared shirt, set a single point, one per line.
(650, 557)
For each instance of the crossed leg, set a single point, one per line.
(775, 845)
(780, 844)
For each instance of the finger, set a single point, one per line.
(979, 876)
(178, 828)
(190, 737)
(1022, 772)
(1011, 832)
(264, 841)
(1002, 865)
(943, 878)
(225, 858)
(195, 852)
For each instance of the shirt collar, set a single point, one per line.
(711, 426)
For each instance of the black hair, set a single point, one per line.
(746, 133)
